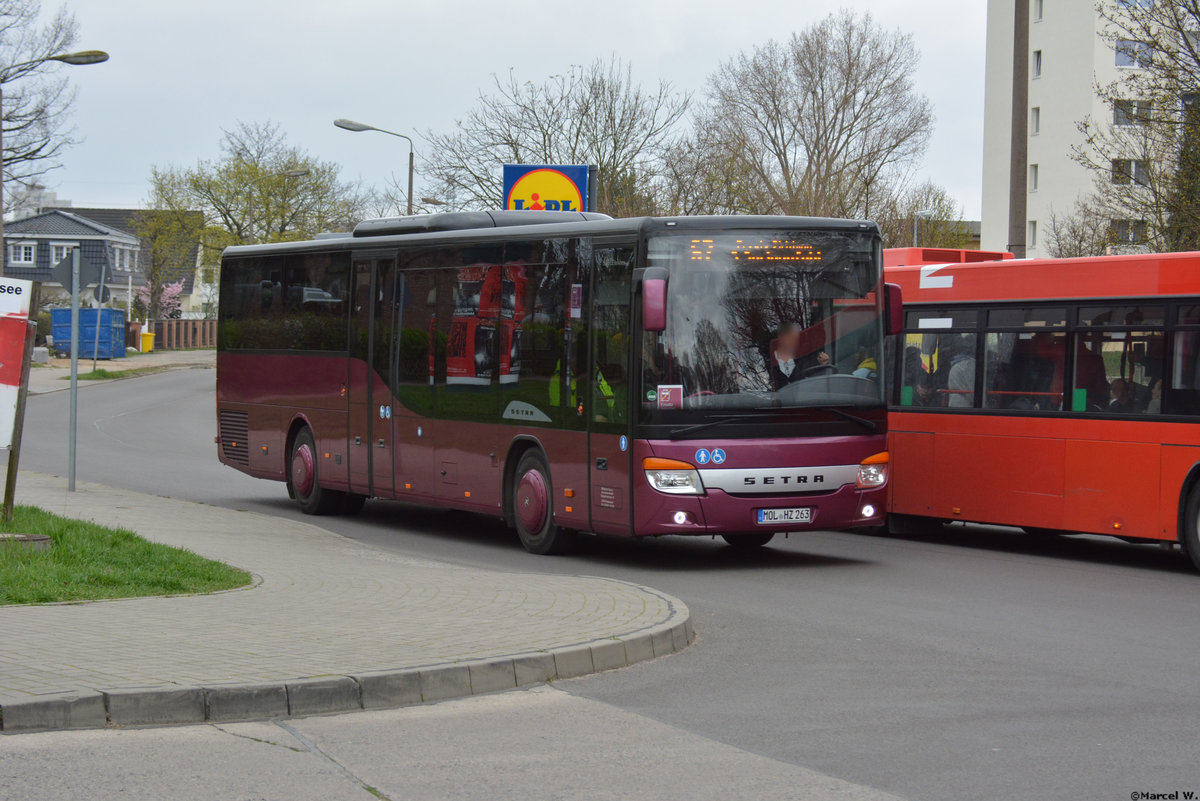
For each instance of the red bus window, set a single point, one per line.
(1025, 370)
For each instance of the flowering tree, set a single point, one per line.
(168, 301)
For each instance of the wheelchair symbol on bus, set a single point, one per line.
(718, 456)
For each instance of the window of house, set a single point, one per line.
(1037, 10)
(1037, 63)
(1031, 240)
(1033, 177)
(1131, 53)
(1130, 232)
(1035, 120)
(1125, 171)
(1131, 112)
(22, 253)
(59, 252)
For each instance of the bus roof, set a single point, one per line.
(1137, 275)
(896, 257)
(498, 225)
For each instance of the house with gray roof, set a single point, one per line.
(32, 246)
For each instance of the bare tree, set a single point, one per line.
(1083, 231)
(926, 211)
(595, 114)
(819, 123)
(1144, 159)
(37, 99)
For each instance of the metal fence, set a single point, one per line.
(183, 334)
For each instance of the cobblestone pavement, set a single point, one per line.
(321, 606)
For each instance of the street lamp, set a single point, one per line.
(917, 215)
(359, 127)
(79, 58)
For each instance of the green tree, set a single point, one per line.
(171, 234)
(260, 189)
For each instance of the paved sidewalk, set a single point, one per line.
(53, 378)
(330, 625)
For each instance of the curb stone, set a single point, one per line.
(384, 689)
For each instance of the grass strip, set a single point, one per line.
(100, 374)
(88, 562)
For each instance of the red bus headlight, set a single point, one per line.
(873, 471)
(673, 477)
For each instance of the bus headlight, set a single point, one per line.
(873, 471)
(673, 477)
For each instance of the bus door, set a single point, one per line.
(371, 365)
(608, 401)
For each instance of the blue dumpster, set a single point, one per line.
(112, 332)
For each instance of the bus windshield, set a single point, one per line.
(763, 320)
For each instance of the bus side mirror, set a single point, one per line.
(893, 309)
(654, 302)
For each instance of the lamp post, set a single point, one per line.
(917, 215)
(359, 127)
(76, 59)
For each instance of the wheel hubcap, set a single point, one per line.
(303, 471)
(532, 501)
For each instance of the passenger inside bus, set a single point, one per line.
(924, 393)
(960, 381)
(1119, 396)
(787, 365)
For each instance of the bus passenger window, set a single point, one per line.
(1119, 371)
(955, 376)
(610, 335)
(1024, 371)
(1183, 395)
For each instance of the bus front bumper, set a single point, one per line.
(717, 512)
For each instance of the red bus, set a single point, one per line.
(1057, 395)
(566, 372)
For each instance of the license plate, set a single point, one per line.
(797, 514)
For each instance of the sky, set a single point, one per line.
(183, 70)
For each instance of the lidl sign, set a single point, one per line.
(538, 187)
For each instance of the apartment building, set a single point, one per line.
(1058, 46)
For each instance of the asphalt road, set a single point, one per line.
(975, 663)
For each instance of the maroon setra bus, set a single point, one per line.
(566, 372)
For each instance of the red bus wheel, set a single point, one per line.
(304, 480)
(1191, 527)
(532, 505)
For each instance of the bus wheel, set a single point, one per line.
(304, 482)
(749, 540)
(532, 507)
(1191, 527)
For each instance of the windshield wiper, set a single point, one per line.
(712, 421)
(870, 425)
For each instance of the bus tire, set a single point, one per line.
(533, 509)
(304, 480)
(757, 540)
(1191, 527)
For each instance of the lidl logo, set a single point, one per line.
(545, 188)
